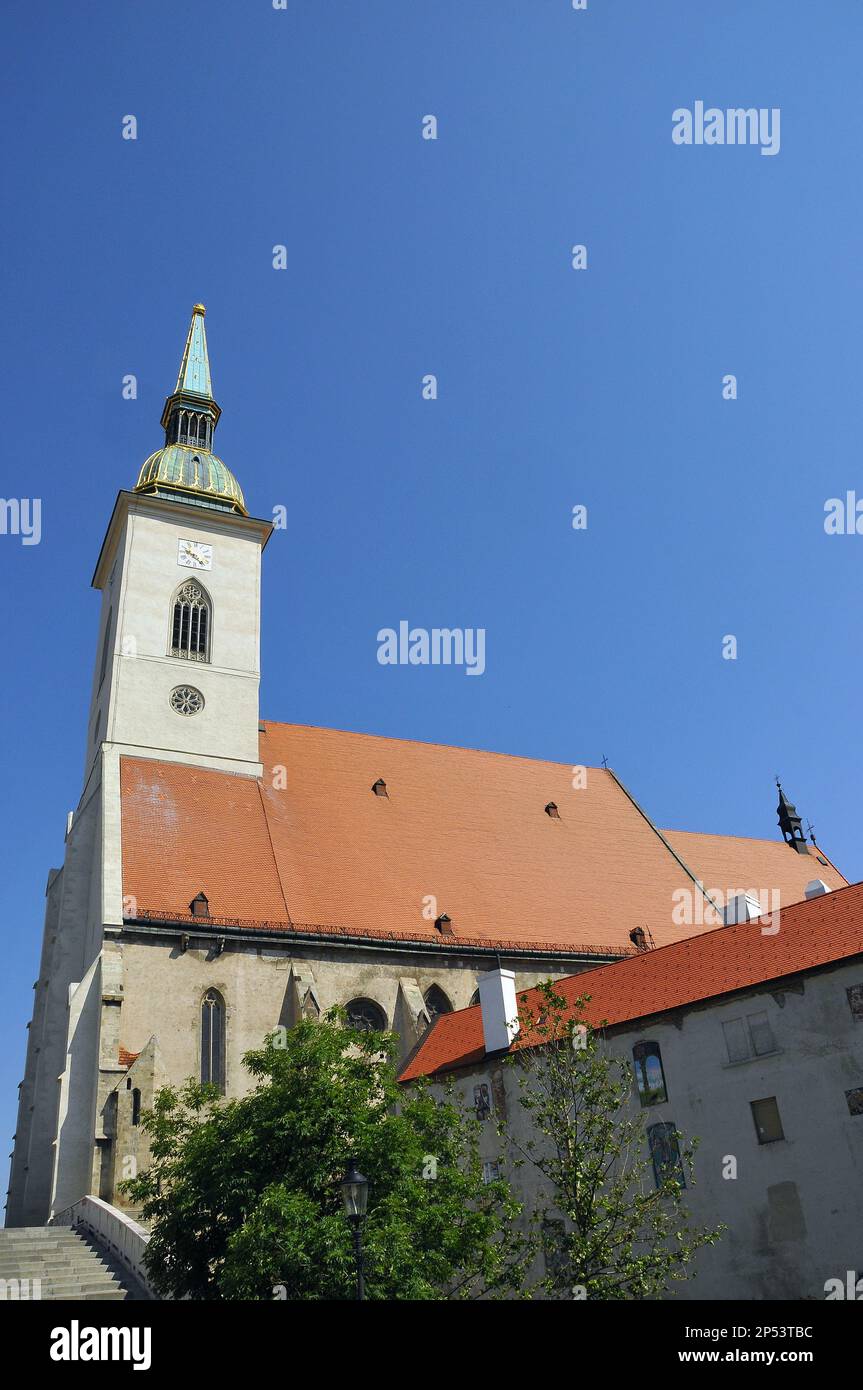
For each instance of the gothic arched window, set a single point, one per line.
(213, 1040)
(649, 1075)
(190, 623)
(436, 1002)
(136, 1106)
(365, 1016)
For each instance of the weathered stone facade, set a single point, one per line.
(790, 1204)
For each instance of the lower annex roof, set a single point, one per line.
(822, 931)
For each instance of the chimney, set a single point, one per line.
(741, 907)
(499, 1009)
(815, 888)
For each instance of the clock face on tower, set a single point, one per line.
(195, 555)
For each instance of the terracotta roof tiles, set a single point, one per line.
(811, 934)
(460, 832)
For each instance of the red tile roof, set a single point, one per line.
(126, 1058)
(811, 934)
(758, 863)
(309, 847)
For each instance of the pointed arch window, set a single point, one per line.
(213, 1040)
(436, 1002)
(136, 1107)
(190, 623)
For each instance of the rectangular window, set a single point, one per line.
(736, 1040)
(855, 1101)
(747, 1037)
(665, 1152)
(761, 1034)
(482, 1100)
(554, 1246)
(490, 1170)
(768, 1125)
(855, 1001)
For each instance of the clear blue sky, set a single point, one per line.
(556, 387)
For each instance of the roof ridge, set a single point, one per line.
(431, 743)
(263, 800)
(713, 834)
(541, 762)
(672, 851)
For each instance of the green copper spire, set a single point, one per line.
(186, 469)
(194, 374)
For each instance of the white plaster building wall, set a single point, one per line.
(132, 706)
(792, 1211)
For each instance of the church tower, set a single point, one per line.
(178, 661)
(176, 679)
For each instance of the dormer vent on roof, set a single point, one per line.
(815, 887)
(551, 810)
(380, 787)
(443, 924)
(200, 906)
(741, 907)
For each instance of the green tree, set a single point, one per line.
(607, 1229)
(243, 1196)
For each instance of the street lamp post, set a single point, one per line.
(355, 1195)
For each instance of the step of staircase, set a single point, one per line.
(68, 1263)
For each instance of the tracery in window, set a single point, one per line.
(365, 1016)
(190, 623)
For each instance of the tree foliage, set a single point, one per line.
(608, 1230)
(243, 1196)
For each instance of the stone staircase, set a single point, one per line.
(66, 1262)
